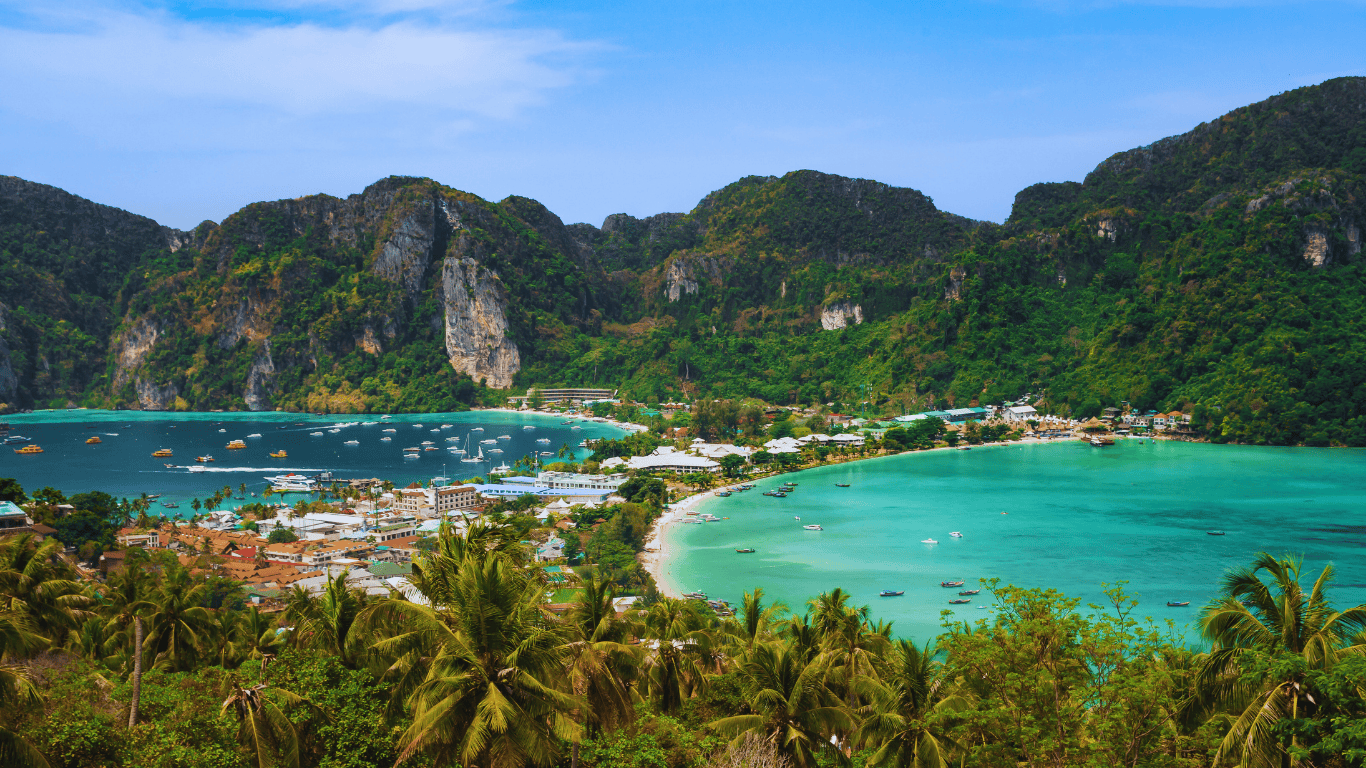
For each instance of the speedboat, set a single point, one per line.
(417, 426)
(389, 430)
(929, 541)
(1178, 603)
(427, 442)
(254, 434)
(956, 534)
(315, 434)
(891, 593)
(333, 431)
(505, 437)
(841, 485)
(528, 428)
(93, 440)
(813, 527)
(386, 439)
(433, 430)
(795, 517)
(543, 440)
(489, 441)
(950, 583)
(351, 442)
(477, 429)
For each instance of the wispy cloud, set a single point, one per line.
(121, 70)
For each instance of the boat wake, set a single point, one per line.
(270, 470)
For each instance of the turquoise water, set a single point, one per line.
(123, 465)
(1076, 517)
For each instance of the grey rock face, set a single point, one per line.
(839, 315)
(476, 325)
(260, 380)
(131, 349)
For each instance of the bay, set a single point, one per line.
(123, 466)
(1065, 516)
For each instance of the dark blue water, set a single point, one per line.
(123, 465)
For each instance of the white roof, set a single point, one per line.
(1022, 409)
(846, 438)
(615, 461)
(670, 460)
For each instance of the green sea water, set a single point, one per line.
(1065, 516)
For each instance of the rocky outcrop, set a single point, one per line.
(475, 312)
(1108, 229)
(152, 397)
(260, 380)
(1316, 250)
(131, 348)
(954, 290)
(404, 255)
(838, 315)
(683, 275)
(9, 383)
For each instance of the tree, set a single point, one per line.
(600, 666)
(671, 668)
(282, 535)
(792, 706)
(38, 585)
(125, 603)
(178, 619)
(12, 491)
(262, 725)
(17, 640)
(1279, 620)
(732, 464)
(906, 714)
(325, 622)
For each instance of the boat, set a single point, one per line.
(576, 426)
(315, 434)
(547, 453)
(477, 429)
(692, 521)
(236, 444)
(13, 439)
(447, 426)
(386, 439)
(351, 442)
(796, 517)
(222, 430)
(453, 440)
(291, 483)
(950, 583)
(169, 466)
(389, 430)
(28, 450)
(505, 437)
(433, 430)
(891, 593)
(964, 447)
(428, 442)
(956, 534)
(709, 517)
(722, 494)
(543, 440)
(962, 601)
(929, 541)
(93, 441)
(496, 450)
(170, 505)
(526, 428)
(1211, 533)
(412, 455)
(841, 485)
(197, 468)
(1178, 603)
(203, 459)
(746, 550)
(431, 448)
(162, 453)
(813, 527)
(417, 426)
(699, 595)
(411, 450)
(970, 592)
(280, 454)
(490, 441)
(254, 435)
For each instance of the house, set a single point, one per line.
(579, 481)
(847, 440)
(12, 519)
(666, 459)
(139, 537)
(783, 445)
(1020, 413)
(1110, 414)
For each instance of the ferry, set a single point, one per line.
(891, 593)
(813, 527)
(203, 459)
(746, 550)
(236, 444)
(28, 450)
(93, 441)
(13, 439)
(162, 453)
(292, 483)
(280, 454)
(950, 583)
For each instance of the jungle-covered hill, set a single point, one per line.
(1218, 271)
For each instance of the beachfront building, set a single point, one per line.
(514, 490)
(718, 450)
(563, 395)
(575, 480)
(847, 440)
(1020, 413)
(783, 445)
(12, 519)
(665, 459)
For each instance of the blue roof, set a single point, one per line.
(8, 508)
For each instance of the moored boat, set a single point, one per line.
(93, 440)
(956, 534)
(970, 592)
(28, 450)
(960, 601)
(841, 485)
(1178, 603)
(203, 459)
(236, 444)
(929, 541)
(280, 454)
(950, 583)
(746, 550)
(162, 453)
(891, 593)
(813, 527)
(1215, 533)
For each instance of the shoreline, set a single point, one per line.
(656, 554)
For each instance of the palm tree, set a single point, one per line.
(489, 694)
(125, 603)
(677, 642)
(262, 724)
(756, 620)
(223, 637)
(260, 636)
(1256, 620)
(17, 640)
(325, 622)
(902, 719)
(792, 706)
(179, 620)
(599, 665)
(36, 582)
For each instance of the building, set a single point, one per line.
(562, 395)
(578, 481)
(510, 492)
(12, 519)
(1020, 413)
(666, 459)
(134, 537)
(963, 415)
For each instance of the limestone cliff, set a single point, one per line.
(475, 318)
(841, 314)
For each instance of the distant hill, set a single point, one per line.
(1218, 271)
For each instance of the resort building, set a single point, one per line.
(1020, 413)
(563, 395)
(134, 537)
(718, 450)
(579, 481)
(12, 519)
(666, 459)
(432, 502)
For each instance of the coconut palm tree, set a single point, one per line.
(792, 706)
(756, 620)
(902, 720)
(599, 665)
(261, 722)
(260, 636)
(126, 603)
(17, 641)
(490, 695)
(1256, 620)
(676, 643)
(178, 620)
(324, 622)
(38, 584)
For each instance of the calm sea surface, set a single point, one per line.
(122, 464)
(1066, 516)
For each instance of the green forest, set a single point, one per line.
(1217, 272)
(165, 665)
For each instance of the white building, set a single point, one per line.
(575, 480)
(783, 445)
(1020, 413)
(666, 459)
(718, 450)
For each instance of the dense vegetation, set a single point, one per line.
(160, 666)
(1217, 272)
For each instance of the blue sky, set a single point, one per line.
(187, 111)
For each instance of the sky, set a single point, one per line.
(189, 111)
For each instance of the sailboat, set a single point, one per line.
(468, 459)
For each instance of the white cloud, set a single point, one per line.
(139, 73)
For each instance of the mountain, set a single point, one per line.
(1217, 271)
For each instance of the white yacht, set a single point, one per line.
(813, 527)
(292, 483)
(528, 427)
(351, 442)
(956, 535)
(254, 434)
(543, 440)
(928, 541)
(505, 437)
(316, 434)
